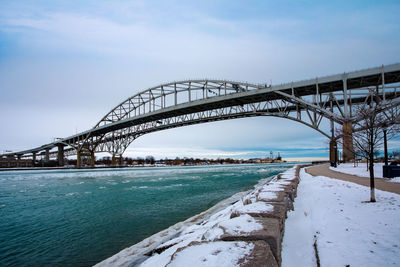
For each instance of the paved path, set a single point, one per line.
(381, 184)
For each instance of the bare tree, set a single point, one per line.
(369, 135)
(395, 154)
(150, 160)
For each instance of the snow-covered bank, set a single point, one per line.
(246, 232)
(361, 170)
(136, 254)
(347, 230)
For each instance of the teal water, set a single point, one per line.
(78, 218)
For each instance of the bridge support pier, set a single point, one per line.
(92, 159)
(333, 155)
(116, 160)
(348, 150)
(34, 158)
(80, 154)
(19, 160)
(60, 155)
(78, 159)
(47, 155)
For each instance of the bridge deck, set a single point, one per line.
(327, 84)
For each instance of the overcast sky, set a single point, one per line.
(65, 64)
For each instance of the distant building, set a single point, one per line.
(10, 162)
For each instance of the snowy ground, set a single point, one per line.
(361, 170)
(347, 230)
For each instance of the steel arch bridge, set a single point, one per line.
(176, 104)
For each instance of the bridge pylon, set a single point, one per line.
(333, 153)
(87, 152)
(348, 148)
(116, 160)
(92, 159)
(47, 155)
(60, 155)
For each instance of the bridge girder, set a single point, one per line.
(296, 109)
(176, 104)
(117, 141)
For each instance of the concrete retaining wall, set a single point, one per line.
(280, 193)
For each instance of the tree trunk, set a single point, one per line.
(372, 178)
(371, 166)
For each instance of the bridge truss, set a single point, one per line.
(316, 103)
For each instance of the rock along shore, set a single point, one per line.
(247, 232)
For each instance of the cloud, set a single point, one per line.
(85, 32)
(394, 144)
(104, 35)
(200, 40)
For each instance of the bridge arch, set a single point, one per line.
(171, 94)
(182, 103)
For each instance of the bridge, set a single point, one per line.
(330, 100)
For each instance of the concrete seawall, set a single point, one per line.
(255, 223)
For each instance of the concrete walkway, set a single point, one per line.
(381, 184)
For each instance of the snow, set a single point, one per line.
(395, 180)
(256, 207)
(347, 230)
(208, 231)
(267, 195)
(212, 254)
(242, 224)
(361, 170)
(274, 187)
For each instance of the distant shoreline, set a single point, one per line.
(123, 167)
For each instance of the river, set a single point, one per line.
(81, 217)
